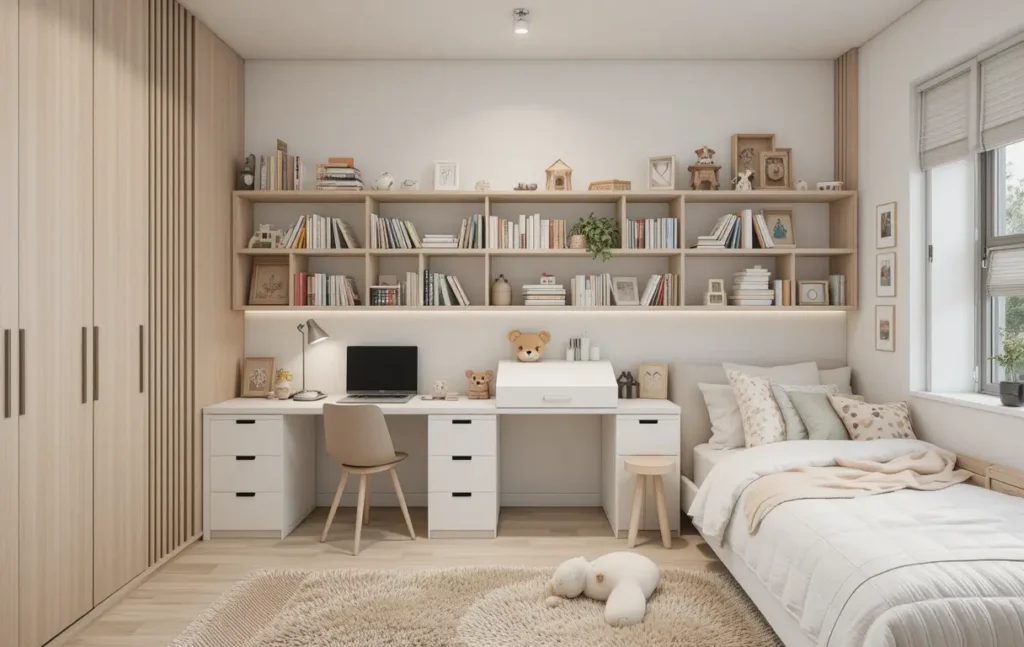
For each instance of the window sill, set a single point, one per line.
(980, 401)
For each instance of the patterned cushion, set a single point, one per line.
(866, 421)
(795, 428)
(762, 420)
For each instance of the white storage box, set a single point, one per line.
(553, 384)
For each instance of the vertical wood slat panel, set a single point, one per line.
(847, 127)
(175, 287)
(187, 512)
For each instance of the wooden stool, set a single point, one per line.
(653, 468)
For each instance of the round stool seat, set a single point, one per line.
(653, 465)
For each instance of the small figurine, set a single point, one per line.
(547, 279)
(483, 185)
(743, 182)
(559, 177)
(410, 185)
(526, 187)
(800, 185)
(385, 182)
(440, 390)
(705, 171)
(705, 155)
(266, 238)
(247, 178)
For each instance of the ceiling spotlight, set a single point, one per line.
(521, 21)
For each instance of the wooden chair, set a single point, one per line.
(358, 439)
(650, 468)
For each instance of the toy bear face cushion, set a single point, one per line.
(529, 346)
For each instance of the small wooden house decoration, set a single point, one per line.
(623, 383)
(559, 177)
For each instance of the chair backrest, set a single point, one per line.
(357, 435)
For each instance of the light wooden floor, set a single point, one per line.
(156, 612)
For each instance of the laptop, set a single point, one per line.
(381, 374)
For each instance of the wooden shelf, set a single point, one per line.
(775, 251)
(555, 309)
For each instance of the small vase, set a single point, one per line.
(282, 389)
(501, 292)
(578, 241)
(1011, 394)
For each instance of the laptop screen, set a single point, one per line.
(373, 369)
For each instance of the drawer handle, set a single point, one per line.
(245, 494)
(245, 458)
(557, 398)
(462, 494)
(462, 458)
(245, 422)
(648, 422)
(462, 422)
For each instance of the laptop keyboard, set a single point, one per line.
(376, 398)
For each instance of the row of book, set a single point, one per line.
(745, 230)
(591, 290)
(529, 232)
(314, 231)
(536, 294)
(338, 174)
(837, 289)
(661, 290)
(751, 287)
(651, 233)
(440, 241)
(442, 290)
(320, 289)
(393, 233)
(783, 292)
(280, 171)
(471, 232)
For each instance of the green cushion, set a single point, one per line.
(818, 416)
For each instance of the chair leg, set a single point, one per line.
(359, 513)
(659, 499)
(634, 520)
(334, 506)
(366, 504)
(401, 502)
(643, 501)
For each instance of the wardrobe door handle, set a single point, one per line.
(95, 363)
(142, 349)
(245, 458)
(648, 422)
(21, 371)
(85, 379)
(245, 422)
(7, 373)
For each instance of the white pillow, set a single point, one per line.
(726, 424)
(762, 420)
(838, 376)
(795, 428)
(802, 374)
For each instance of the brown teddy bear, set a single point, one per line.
(529, 346)
(480, 384)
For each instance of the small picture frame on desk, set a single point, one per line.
(257, 377)
(654, 380)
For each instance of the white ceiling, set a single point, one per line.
(559, 29)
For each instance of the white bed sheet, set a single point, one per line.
(705, 457)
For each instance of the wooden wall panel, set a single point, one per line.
(847, 125)
(219, 331)
(121, 243)
(55, 156)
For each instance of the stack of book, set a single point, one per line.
(314, 231)
(280, 171)
(837, 289)
(591, 290)
(385, 295)
(442, 290)
(471, 232)
(338, 174)
(745, 230)
(544, 295)
(661, 290)
(393, 233)
(652, 233)
(325, 290)
(751, 288)
(439, 241)
(530, 232)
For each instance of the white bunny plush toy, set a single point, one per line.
(623, 580)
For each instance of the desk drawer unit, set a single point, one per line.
(462, 436)
(462, 474)
(647, 435)
(246, 474)
(462, 512)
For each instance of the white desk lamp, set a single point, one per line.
(312, 334)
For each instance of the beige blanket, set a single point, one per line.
(928, 470)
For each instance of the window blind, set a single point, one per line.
(1002, 98)
(1006, 272)
(945, 110)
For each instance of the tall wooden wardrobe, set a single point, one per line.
(98, 111)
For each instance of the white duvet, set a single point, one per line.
(904, 569)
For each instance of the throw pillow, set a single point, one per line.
(806, 373)
(726, 423)
(838, 376)
(795, 428)
(866, 421)
(820, 419)
(762, 420)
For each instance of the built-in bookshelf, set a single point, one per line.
(825, 224)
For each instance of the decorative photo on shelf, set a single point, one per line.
(446, 176)
(714, 299)
(774, 170)
(780, 227)
(624, 291)
(885, 225)
(654, 381)
(885, 275)
(661, 173)
(885, 328)
(257, 377)
(746, 154)
(812, 293)
(268, 285)
(716, 285)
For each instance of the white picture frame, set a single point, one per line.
(653, 378)
(716, 285)
(885, 275)
(446, 176)
(886, 221)
(885, 329)
(661, 173)
(625, 291)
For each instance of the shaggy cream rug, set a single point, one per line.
(466, 607)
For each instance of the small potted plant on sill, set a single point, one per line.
(1011, 389)
(597, 235)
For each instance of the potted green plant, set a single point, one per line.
(601, 235)
(1011, 389)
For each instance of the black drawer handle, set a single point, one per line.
(462, 494)
(245, 458)
(462, 422)
(648, 422)
(245, 494)
(245, 422)
(462, 458)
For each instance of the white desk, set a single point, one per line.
(259, 462)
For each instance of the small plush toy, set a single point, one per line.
(480, 384)
(529, 346)
(623, 580)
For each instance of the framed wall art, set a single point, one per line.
(268, 284)
(774, 170)
(885, 328)
(885, 225)
(885, 275)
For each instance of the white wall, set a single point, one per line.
(930, 39)
(506, 122)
